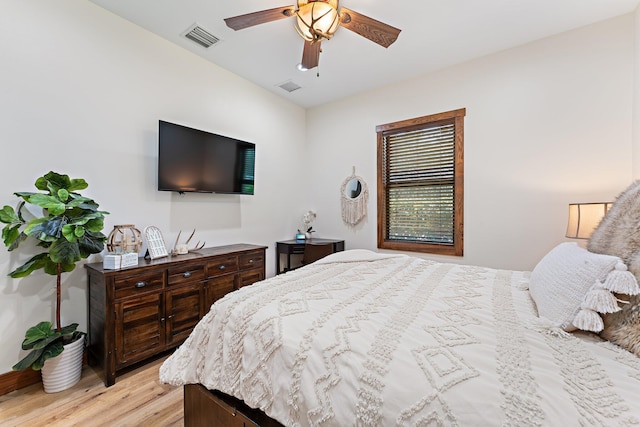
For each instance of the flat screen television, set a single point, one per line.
(192, 160)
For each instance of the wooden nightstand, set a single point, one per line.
(296, 247)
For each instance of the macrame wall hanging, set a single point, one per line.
(354, 195)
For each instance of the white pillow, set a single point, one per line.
(571, 285)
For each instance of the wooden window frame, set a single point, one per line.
(456, 249)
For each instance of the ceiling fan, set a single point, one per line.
(318, 20)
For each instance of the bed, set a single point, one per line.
(361, 338)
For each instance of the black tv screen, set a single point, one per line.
(192, 160)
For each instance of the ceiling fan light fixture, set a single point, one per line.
(317, 20)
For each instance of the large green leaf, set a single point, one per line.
(77, 184)
(69, 329)
(52, 350)
(45, 229)
(8, 215)
(81, 216)
(25, 195)
(37, 262)
(40, 336)
(28, 360)
(50, 203)
(91, 243)
(53, 181)
(10, 234)
(96, 225)
(82, 202)
(64, 251)
(63, 195)
(36, 333)
(78, 231)
(52, 268)
(21, 238)
(73, 232)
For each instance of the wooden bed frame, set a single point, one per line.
(206, 408)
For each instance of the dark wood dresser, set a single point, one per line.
(138, 312)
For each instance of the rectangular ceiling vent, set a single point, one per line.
(289, 86)
(201, 36)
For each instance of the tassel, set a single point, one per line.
(588, 320)
(600, 300)
(522, 285)
(546, 326)
(622, 281)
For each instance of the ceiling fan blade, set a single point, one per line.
(376, 31)
(255, 18)
(311, 54)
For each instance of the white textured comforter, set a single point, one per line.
(375, 340)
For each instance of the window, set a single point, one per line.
(420, 184)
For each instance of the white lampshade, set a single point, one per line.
(584, 218)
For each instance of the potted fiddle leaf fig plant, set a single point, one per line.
(68, 230)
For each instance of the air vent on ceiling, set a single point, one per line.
(289, 86)
(201, 36)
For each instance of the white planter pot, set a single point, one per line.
(63, 371)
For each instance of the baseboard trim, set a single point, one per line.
(15, 380)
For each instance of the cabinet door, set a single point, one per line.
(249, 277)
(183, 310)
(217, 287)
(139, 328)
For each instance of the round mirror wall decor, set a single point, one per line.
(354, 195)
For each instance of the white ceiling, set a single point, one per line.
(435, 34)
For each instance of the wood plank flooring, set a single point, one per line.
(136, 399)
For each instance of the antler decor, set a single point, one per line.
(183, 248)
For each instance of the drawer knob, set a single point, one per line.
(251, 261)
(223, 267)
(186, 274)
(141, 284)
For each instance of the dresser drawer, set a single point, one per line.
(249, 277)
(185, 274)
(139, 283)
(251, 260)
(221, 266)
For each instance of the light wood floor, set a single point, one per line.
(136, 399)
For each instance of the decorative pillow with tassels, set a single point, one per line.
(572, 287)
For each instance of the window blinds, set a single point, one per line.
(419, 172)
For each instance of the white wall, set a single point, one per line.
(636, 98)
(82, 93)
(547, 124)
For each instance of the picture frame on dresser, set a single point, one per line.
(156, 247)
